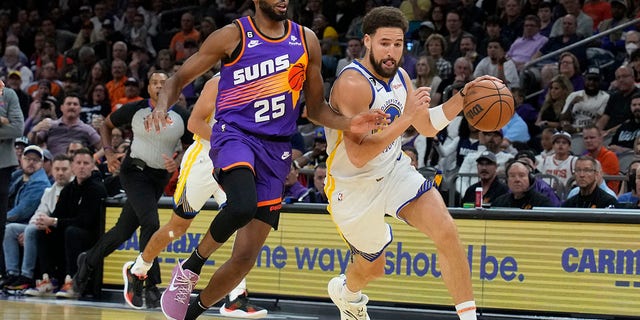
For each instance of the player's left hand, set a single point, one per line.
(366, 122)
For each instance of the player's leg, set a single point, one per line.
(248, 243)
(346, 290)
(239, 183)
(428, 213)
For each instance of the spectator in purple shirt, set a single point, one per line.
(524, 47)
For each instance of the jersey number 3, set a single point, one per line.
(269, 109)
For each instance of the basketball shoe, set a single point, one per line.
(132, 286)
(175, 299)
(67, 289)
(43, 287)
(348, 310)
(241, 307)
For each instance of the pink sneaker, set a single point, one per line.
(175, 299)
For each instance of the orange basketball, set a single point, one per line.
(296, 76)
(488, 105)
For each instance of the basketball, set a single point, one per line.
(296, 76)
(488, 105)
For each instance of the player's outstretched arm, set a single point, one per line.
(352, 95)
(317, 108)
(218, 45)
(204, 107)
(435, 119)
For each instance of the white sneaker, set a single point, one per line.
(348, 310)
(43, 287)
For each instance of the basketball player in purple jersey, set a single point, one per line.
(266, 61)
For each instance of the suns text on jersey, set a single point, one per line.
(261, 69)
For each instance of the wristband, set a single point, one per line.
(437, 117)
(107, 148)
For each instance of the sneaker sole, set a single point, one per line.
(126, 285)
(241, 314)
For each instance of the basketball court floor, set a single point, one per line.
(112, 307)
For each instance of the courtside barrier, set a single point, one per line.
(551, 261)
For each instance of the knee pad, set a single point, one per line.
(230, 219)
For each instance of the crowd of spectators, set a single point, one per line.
(70, 64)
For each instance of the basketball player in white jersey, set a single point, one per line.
(369, 176)
(195, 186)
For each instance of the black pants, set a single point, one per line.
(144, 187)
(59, 250)
(5, 176)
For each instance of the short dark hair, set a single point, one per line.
(73, 95)
(82, 151)
(384, 17)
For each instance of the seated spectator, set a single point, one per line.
(131, 94)
(468, 49)
(525, 47)
(521, 194)
(539, 184)
(317, 155)
(546, 142)
(98, 103)
(14, 81)
(590, 195)
(316, 193)
(492, 141)
(583, 23)
(618, 108)
(496, 64)
(546, 17)
(487, 165)
(435, 47)
(562, 163)
(294, 191)
(631, 197)
(11, 63)
(594, 144)
(623, 139)
(568, 37)
(614, 42)
(554, 101)
(59, 133)
(25, 190)
(426, 74)
(462, 73)
(354, 51)
(73, 226)
(115, 87)
(62, 175)
(584, 107)
(187, 31)
(19, 144)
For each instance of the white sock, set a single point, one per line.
(351, 296)
(238, 290)
(467, 310)
(141, 267)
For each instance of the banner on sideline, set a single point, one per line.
(546, 266)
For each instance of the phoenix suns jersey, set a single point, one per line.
(390, 97)
(259, 91)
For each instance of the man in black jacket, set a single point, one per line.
(520, 179)
(590, 195)
(74, 225)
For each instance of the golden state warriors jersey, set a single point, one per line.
(387, 96)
